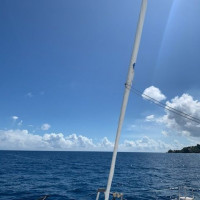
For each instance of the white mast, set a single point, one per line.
(126, 93)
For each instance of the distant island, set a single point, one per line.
(191, 149)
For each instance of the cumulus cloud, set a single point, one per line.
(20, 140)
(45, 127)
(24, 140)
(146, 144)
(154, 93)
(183, 126)
(15, 118)
(73, 141)
(183, 104)
(105, 143)
(149, 118)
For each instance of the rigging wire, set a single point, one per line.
(171, 108)
(160, 104)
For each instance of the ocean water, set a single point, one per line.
(28, 175)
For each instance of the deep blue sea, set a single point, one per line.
(28, 175)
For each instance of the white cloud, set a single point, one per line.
(105, 143)
(149, 118)
(20, 140)
(45, 127)
(194, 141)
(154, 93)
(129, 144)
(147, 144)
(183, 126)
(59, 141)
(165, 133)
(23, 140)
(174, 122)
(15, 118)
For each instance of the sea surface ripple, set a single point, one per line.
(28, 175)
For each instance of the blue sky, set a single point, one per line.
(63, 65)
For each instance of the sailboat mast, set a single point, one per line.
(126, 93)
